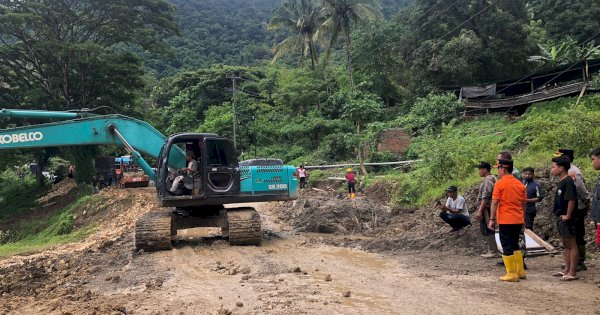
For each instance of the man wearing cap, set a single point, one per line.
(351, 181)
(484, 199)
(583, 205)
(455, 212)
(509, 200)
(565, 210)
(192, 167)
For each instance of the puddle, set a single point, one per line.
(358, 258)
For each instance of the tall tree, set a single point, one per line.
(340, 16)
(69, 53)
(448, 42)
(578, 19)
(302, 18)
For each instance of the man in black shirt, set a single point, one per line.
(565, 205)
(534, 195)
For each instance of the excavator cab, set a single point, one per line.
(216, 179)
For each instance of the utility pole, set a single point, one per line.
(233, 78)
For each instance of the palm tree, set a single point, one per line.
(302, 18)
(340, 14)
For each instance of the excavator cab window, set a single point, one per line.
(219, 153)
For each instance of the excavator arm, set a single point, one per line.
(134, 135)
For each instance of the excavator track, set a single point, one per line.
(153, 231)
(244, 226)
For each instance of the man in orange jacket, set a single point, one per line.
(509, 201)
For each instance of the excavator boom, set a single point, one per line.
(95, 130)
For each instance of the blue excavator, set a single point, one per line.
(200, 198)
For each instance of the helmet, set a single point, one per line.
(349, 169)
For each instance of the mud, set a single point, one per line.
(358, 269)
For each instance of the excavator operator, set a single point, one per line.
(192, 167)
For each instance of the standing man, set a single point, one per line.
(484, 199)
(595, 156)
(302, 176)
(583, 205)
(508, 210)
(351, 181)
(534, 195)
(565, 210)
(454, 212)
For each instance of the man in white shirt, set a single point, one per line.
(192, 167)
(454, 212)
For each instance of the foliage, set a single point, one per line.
(450, 155)
(83, 159)
(339, 14)
(17, 194)
(565, 52)
(302, 19)
(46, 231)
(578, 19)
(61, 54)
(461, 42)
(430, 112)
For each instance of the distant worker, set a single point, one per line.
(302, 174)
(509, 200)
(595, 157)
(534, 195)
(565, 210)
(484, 200)
(71, 173)
(350, 179)
(454, 212)
(583, 205)
(192, 167)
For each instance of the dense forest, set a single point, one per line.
(316, 80)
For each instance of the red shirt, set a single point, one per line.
(510, 193)
(350, 177)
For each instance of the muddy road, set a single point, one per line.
(291, 273)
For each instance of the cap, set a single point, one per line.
(452, 189)
(349, 169)
(484, 164)
(504, 163)
(568, 152)
(190, 153)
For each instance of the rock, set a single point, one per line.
(246, 277)
(223, 311)
(297, 270)
(121, 309)
(346, 294)
(328, 278)
(239, 304)
(246, 270)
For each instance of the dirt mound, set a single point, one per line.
(331, 212)
(422, 229)
(56, 274)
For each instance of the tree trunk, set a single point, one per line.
(346, 30)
